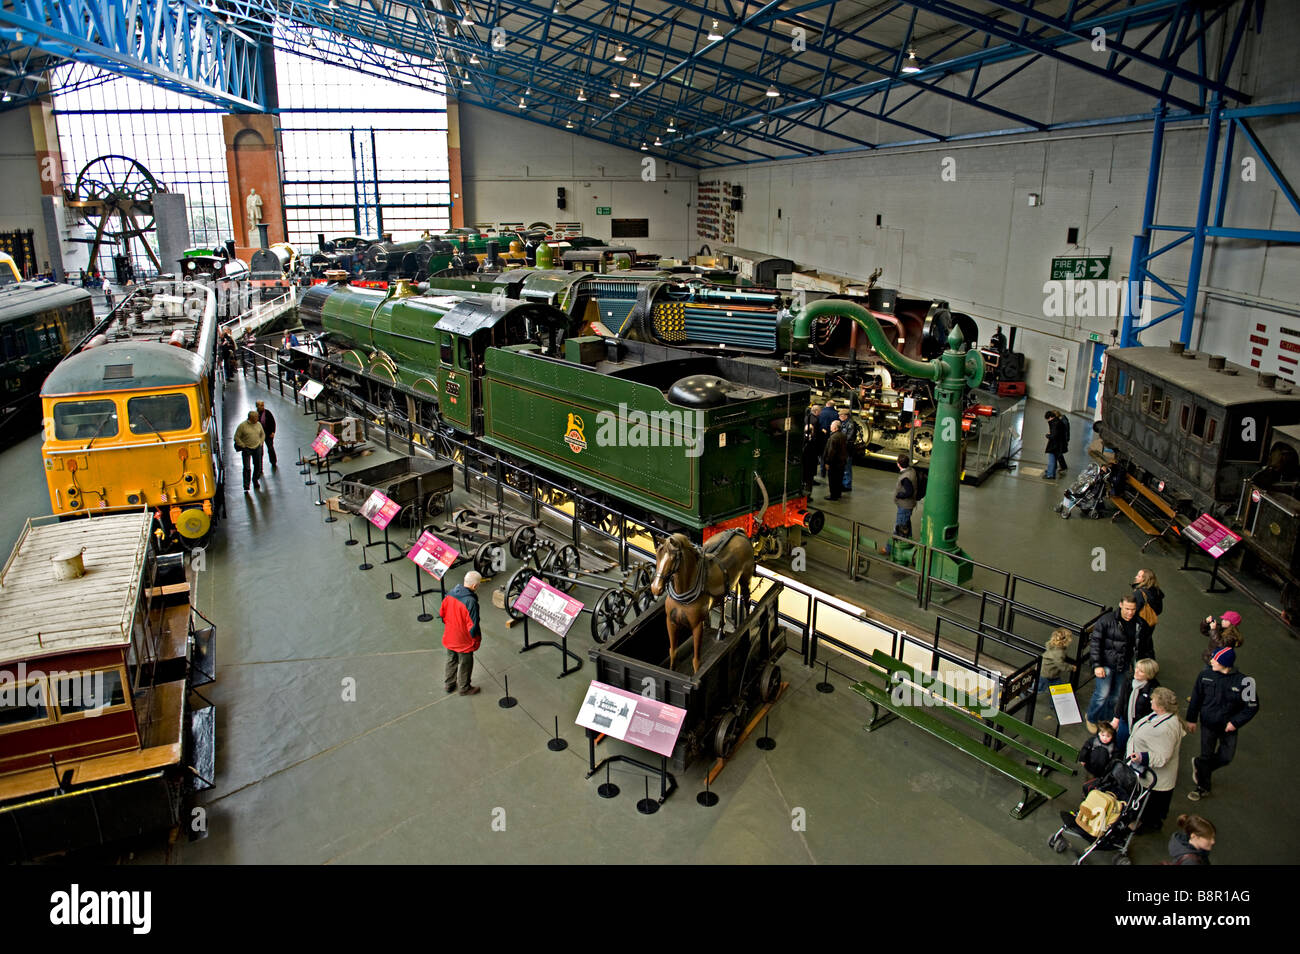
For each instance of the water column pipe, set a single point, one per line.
(952, 373)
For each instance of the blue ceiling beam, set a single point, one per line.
(171, 43)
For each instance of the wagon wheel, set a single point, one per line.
(523, 542)
(564, 561)
(515, 588)
(640, 578)
(435, 504)
(487, 558)
(769, 682)
(643, 599)
(724, 737)
(609, 615)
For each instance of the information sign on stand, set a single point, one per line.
(311, 390)
(1065, 704)
(556, 611)
(380, 510)
(432, 555)
(1215, 540)
(552, 608)
(324, 443)
(637, 720)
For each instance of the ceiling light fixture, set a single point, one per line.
(910, 65)
(465, 81)
(334, 4)
(582, 95)
(658, 141)
(772, 93)
(522, 104)
(714, 33)
(467, 19)
(619, 56)
(644, 147)
(8, 97)
(672, 125)
(473, 58)
(568, 124)
(636, 83)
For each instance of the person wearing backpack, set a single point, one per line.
(1151, 603)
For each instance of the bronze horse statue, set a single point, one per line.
(696, 579)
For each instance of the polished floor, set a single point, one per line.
(337, 744)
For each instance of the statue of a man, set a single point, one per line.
(253, 213)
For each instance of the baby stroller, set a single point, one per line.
(1128, 783)
(1087, 493)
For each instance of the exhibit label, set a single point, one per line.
(432, 555)
(1211, 536)
(380, 510)
(637, 720)
(324, 443)
(550, 607)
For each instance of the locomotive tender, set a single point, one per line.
(624, 421)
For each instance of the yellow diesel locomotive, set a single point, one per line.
(133, 415)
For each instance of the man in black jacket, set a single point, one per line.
(1114, 639)
(1222, 702)
(267, 420)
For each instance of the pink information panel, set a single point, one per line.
(432, 555)
(552, 608)
(324, 443)
(1211, 536)
(636, 720)
(379, 509)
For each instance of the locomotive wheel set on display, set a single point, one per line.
(115, 195)
(619, 600)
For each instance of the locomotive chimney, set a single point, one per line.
(320, 241)
(1177, 347)
(1266, 380)
(1217, 361)
(263, 235)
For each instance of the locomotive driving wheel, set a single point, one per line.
(725, 735)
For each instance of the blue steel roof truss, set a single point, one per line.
(847, 70)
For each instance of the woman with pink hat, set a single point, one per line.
(1223, 632)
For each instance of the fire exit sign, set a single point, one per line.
(1080, 267)
(603, 209)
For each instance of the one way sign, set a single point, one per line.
(1092, 267)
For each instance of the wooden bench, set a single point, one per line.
(1161, 511)
(1045, 753)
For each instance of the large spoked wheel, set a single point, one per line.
(562, 564)
(770, 682)
(514, 589)
(609, 615)
(725, 735)
(523, 542)
(116, 182)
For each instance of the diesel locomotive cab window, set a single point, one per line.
(90, 691)
(82, 420)
(158, 412)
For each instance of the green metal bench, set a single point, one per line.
(1045, 752)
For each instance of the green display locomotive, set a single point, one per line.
(674, 439)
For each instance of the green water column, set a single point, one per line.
(952, 374)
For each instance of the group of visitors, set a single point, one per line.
(1132, 716)
(254, 433)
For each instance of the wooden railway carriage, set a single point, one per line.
(1195, 423)
(97, 738)
(133, 418)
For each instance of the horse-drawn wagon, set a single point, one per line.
(419, 485)
(739, 671)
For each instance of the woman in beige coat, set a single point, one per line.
(1153, 743)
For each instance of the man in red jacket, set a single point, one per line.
(461, 634)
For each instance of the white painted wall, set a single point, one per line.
(20, 200)
(976, 242)
(511, 168)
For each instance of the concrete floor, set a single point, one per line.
(406, 773)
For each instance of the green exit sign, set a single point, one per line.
(602, 209)
(1080, 268)
(1094, 337)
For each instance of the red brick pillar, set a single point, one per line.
(253, 162)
